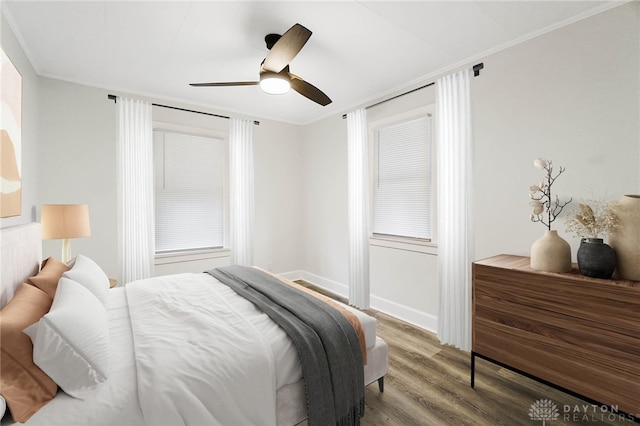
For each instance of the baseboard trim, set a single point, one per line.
(405, 313)
(292, 276)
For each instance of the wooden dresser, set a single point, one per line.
(577, 333)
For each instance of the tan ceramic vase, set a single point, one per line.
(551, 253)
(625, 239)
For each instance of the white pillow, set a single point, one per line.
(87, 272)
(71, 342)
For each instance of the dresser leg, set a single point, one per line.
(473, 369)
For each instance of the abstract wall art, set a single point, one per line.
(10, 138)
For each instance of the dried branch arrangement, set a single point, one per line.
(591, 220)
(545, 208)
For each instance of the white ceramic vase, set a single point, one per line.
(625, 239)
(551, 253)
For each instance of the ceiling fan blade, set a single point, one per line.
(309, 91)
(229, 84)
(286, 48)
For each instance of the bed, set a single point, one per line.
(148, 378)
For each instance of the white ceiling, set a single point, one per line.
(359, 50)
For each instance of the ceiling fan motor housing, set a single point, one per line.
(271, 39)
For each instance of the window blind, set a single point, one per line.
(402, 179)
(189, 191)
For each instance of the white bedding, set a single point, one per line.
(202, 353)
(117, 401)
(114, 403)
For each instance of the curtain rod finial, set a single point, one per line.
(477, 68)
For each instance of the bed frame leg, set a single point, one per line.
(473, 369)
(381, 384)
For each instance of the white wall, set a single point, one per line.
(324, 204)
(403, 283)
(78, 164)
(278, 190)
(77, 160)
(571, 95)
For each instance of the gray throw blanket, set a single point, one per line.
(326, 342)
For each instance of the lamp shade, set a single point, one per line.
(61, 221)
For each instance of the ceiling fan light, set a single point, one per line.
(274, 83)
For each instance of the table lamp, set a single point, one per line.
(65, 221)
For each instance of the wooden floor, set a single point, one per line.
(429, 384)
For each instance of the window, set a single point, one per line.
(402, 186)
(189, 174)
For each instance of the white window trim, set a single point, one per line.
(398, 242)
(403, 243)
(207, 253)
(190, 255)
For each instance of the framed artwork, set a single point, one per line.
(10, 138)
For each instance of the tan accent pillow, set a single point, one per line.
(49, 275)
(24, 386)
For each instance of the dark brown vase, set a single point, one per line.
(596, 259)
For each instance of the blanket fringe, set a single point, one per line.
(353, 418)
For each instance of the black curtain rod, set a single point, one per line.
(114, 99)
(476, 72)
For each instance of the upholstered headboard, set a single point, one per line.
(20, 253)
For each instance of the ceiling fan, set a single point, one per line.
(275, 77)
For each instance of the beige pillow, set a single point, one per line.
(24, 386)
(49, 275)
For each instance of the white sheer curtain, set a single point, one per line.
(358, 159)
(455, 217)
(241, 191)
(135, 190)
